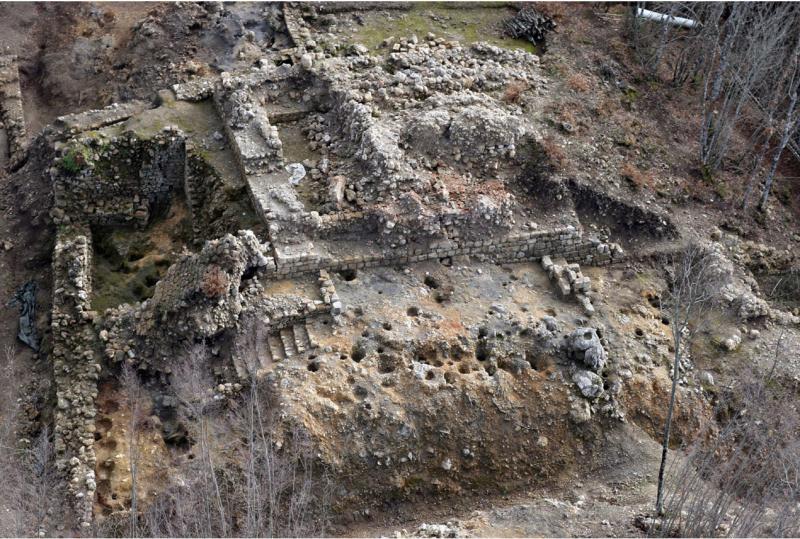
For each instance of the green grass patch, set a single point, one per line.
(450, 21)
(75, 158)
(115, 284)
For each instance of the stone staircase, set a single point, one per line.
(278, 345)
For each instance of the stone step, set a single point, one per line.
(301, 340)
(276, 349)
(287, 338)
(265, 355)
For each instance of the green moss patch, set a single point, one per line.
(127, 262)
(464, 23)
(75, 158)
(125, 283)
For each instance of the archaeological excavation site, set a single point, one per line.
(399, 269)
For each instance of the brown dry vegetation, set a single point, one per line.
(579, 83)
(513, 91)
(639, 180)
(556, 156)
(215, 282)
(554, 10)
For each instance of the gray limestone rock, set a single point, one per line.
(590, 384)
(584, 345)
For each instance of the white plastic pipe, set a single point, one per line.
(660, 17)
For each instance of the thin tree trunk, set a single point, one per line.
(665, 443)
(662, 43)
(788, 130)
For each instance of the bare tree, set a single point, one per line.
(283, 495)
(30, 479)
(268, 484)
(692, 287)
(746, 480)
(695, 45)
(751, 42)
(194, 388)
(738, 51)
(791, 120)
(132, 388)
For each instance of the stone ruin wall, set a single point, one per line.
(529, 246)
(106, 196)
(295, 26)
(12, 119)
(259, 153)
(76, 369)
(253, 139)
(201, 184)
(89, 120)
(377, 148)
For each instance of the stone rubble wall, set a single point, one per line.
(383, 192)
(486, 217)
(254, 141)
(11, 112)
(567, 243)
(295, 25)
(377, 147)
(328, 292)
(125, 182)
(200, 186)
(481, 135)
(194, 90)
(196, 299)
(348, 224)
(299, 312)
(199, 293)
(75, 367)
(482, 220)
(570, 281)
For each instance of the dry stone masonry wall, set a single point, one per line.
(119, 180)
(567, 242)
(402, 214)
(12, 119)
(76, 369)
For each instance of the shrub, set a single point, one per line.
(74, 159)
(215, 282)
(513, 91)
(554, 10)
(579, 83)
(554, 153)
(638, 179)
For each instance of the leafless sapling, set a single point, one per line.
(691, 289)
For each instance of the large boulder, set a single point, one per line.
(584, 345)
